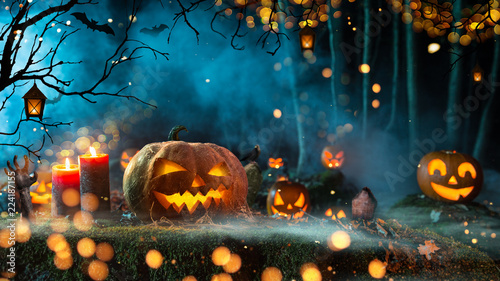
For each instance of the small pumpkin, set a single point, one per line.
(332, 157)
(275, 163)
(449, 176)
(174, 178)
(41, 196)
(288, 198)
(335, 212)
(126, 156)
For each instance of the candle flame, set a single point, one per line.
(67, 164)
(92, 151)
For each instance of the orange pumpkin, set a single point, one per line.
(332, 157)
(166, 179)
(288, 198)
(335, 213)
(127, 155)
(449, 176)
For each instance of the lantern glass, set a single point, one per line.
(477, 76)
(307, 41)
(34, 107)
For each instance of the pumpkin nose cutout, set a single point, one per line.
(452, 180)
(197, 182)
(289, 207)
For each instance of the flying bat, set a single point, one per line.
(155, 30)
(92, 24)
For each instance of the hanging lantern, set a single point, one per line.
(477, 73)
(307, 38)
(34, 102)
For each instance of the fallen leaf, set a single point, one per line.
(428, 248)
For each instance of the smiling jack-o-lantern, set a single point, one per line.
(41, 196)
(167, 179)
(275, 163)
(287, 198)
(332, 157)
(449, 176)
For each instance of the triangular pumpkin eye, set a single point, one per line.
(339, 155)
(219, 170)
(328, 155)
(164, 166)
(278, 201)
(300, 202)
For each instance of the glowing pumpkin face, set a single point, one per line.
(171, 178)
(127, 155)
(288, 199)
(449, 176)
(335, 213)
(332, 157)
(275, 163)
(41, 197)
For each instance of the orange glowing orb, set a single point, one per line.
(83, 220)
(221, 256)
(154, 259)
(233, 265)
(222, 277)
(90, 202)
(98, 270)
(63, 263)
(86, 247)
(23, 231)
(71, 197)
(339, 240)
(271, 274)
(189, 278)
(104, 251)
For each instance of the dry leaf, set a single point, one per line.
(428, 248)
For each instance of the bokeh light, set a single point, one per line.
(83, 221)
(98, 270)
(364, 68)
(104, 251)
(233, 265)
(271, 274)
(154, 259)
(377, 269)
(221, 256)
(86, 247)
(339, 240)
(221, 277)
(310, 272)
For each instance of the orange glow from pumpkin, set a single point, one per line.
(275, 163)
(329, 212)
(220, 170)
(339, 240)
(278, 201)
(466, 167)
(40, 196)
(167, 167)
(300, 202)
(331, 161)
(451, 193)
(436, 164)
(178, 201)
(377, 269)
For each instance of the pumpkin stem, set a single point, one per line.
(174, 133)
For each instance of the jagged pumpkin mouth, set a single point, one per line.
(451, 193)
(190, 201)
(298, 214)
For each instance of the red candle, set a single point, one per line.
(65, 189)
(94, 183)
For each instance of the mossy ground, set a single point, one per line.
(260, 242)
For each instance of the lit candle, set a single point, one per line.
(65, 189)
(94, 183)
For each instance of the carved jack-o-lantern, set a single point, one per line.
(449, 176)
(335, 213)
(127, 155)
(332, 157)
(276, 163)
(170, 178)
(41, 196)
(287, 198)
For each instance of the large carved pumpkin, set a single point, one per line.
(449, 176)
(173, 178)
(287, 198)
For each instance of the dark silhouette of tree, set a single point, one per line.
(28, 58)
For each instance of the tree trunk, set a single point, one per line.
(333, 25)
(487, 116)
(291, 48)
(395, 72)
(365, 60)
(411, 85)
(454, 85)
